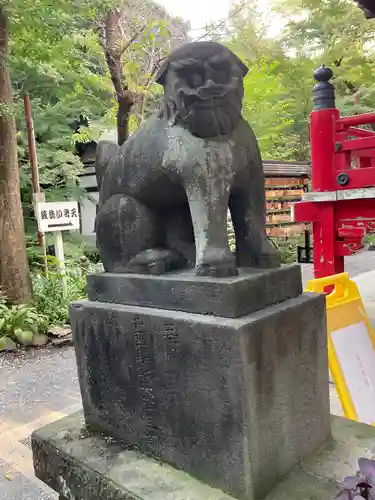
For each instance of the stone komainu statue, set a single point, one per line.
(165, 192)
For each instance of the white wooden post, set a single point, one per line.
(59, 249)
(55, 217)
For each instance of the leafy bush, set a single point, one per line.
(49, 297)
(287, 247)
(288, 251)
(370, 238)
(77, 246)
(35, 257)
(20, 323)
(93, 255)
(361, 485)
(34, 252)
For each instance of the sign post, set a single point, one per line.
(59, 248)
(57, 217)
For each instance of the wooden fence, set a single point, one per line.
(285, 183)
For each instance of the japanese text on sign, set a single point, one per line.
(57, 216)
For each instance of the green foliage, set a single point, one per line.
(267, 108)
(57, 57)
(275, 102)
(35, 257)
(92, 254)
(20, 323)
(50, 304)
(287, 249)
(49, 297)
(278, 89)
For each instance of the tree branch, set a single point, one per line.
(221, 23)
(132, 39)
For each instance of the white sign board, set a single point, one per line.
(356, 356)
(57, 216)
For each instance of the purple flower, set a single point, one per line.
(362, 485)
(367, 470)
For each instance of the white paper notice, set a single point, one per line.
(57, 216)
(356, 356)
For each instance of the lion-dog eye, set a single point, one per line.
(193, 75)
(220, 72)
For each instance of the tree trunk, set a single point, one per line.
(113, 45)
(14, 276)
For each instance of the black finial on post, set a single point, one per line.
(324, 91)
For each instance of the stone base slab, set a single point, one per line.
(253, 290)
(237, 403)
(80, 465)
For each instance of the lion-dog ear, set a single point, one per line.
(162, 73)
(244, 69)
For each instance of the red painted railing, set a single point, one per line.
(341, 205)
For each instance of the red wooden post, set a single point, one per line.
(323, 132)
(325, 256)
(322, 138)
(323, 145)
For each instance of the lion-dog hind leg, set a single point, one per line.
(180, 233)
(130, 238)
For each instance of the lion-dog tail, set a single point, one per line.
(105, 150)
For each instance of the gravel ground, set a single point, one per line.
(35, 380)
(357, 264)
(35, 387)
(18, 487)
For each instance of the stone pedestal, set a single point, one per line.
(251, 290)
(84, 466)
(236, 396)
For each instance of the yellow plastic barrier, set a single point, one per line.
(351, 346)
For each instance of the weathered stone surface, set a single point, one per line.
(165, 193)
(235, 402)
(88, 467)
(320, 476)
(85, 466)
(252, 290)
